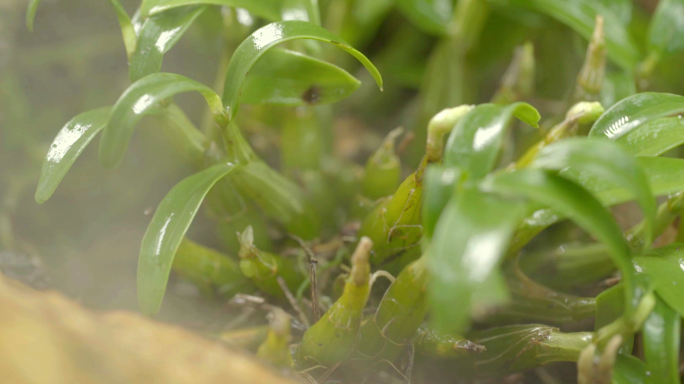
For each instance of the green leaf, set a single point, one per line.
(666, 266)
(67, 147)
(470, 239)
(268, 9)
(127, 30)
(31, 13)
(290, 78)
(439, 186)
(665, 175)
(137, 101)
(576, 203)
(629, 370)
(606, 161)
(666, 31)
(158, 35)
(475, 141)
(661, 344)
(655, 137)
(246, 55)
(430, 16)
(634, 111)
(580, 15)
(166, 231)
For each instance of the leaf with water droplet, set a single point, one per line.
(158, 35)
(632, 112)
(165, 232)
(246, 55)
(67, 147)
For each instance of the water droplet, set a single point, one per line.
(648, 373)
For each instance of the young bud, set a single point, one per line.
(518, 81)
(332, 338)
(264, 267)
(276, 349)
(592, 74)
(441, 124)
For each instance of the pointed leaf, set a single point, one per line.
(666, 266)
(166, 231)
(268, 9)
(246, 55)
(470, 239)
(67, 147)
(666, 31)
(290, 78)
(137, 101)
(606, 161)
(580, 15)
(634, 111)
(158, 35)
(576, 203)
(430, 16)
(31, 13)
(475, 141)
(661, 344)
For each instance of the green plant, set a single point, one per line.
(460, 232)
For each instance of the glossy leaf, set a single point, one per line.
(666, 266)
(166, 231)
(654, 137)
(630, 113)
(665, 175)
(246, 55)
(440, 184)
(158, 35)
(629, 370)
(290, 78)
(67, 147)
(666, 31)
(606, 161)
(268, 9)
(577, 204)
(125, 24)
(430, 16)
(580, 15)
(661, 344)
(470, 239)
(137, 101)
(475, 141)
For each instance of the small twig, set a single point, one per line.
(408, 138)
(312, 276)
(293, 301)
